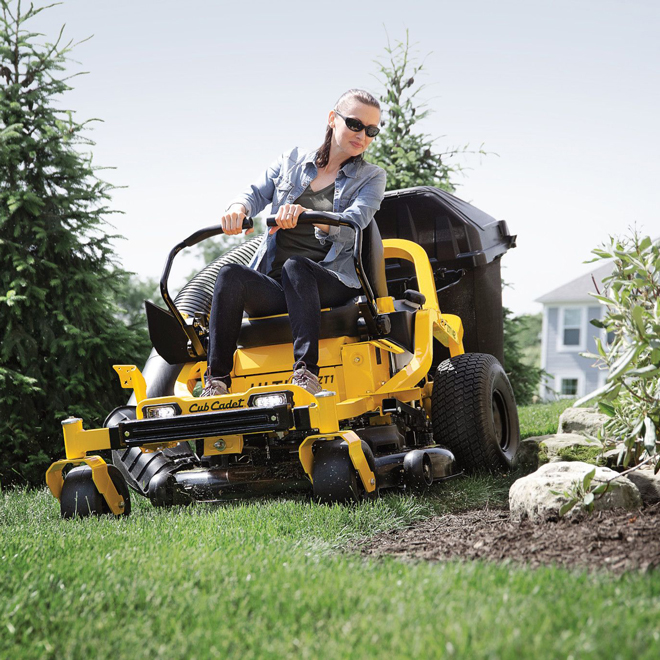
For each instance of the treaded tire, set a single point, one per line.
(474, 412)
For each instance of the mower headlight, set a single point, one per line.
(161, 411)
(270, 400)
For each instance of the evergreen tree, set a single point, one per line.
(409, 157)
(59, 325)
(525, 378)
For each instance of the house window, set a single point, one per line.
(571, 331)
(569, 387)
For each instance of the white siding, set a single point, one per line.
(562, 361)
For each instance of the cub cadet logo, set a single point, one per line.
(216, 405)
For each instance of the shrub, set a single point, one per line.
(631, 395)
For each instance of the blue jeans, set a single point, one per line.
(305, 288)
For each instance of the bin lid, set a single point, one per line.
(455, 234)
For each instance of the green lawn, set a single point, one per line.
(272, 579)
(541, 419)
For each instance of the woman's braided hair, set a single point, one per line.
(323, 154)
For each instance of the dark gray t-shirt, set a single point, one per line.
(301, 239)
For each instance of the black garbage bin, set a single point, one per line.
(465, 246)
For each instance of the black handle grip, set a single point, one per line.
(310, 217)
(202, 234)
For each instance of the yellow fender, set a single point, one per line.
(359, 460)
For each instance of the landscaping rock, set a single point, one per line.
(581, 420)
(568, 447)
(527, 456)
(531, 496)
(542, 449)
(647, 483)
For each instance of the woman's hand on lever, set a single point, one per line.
(287, 216)
(232, 220)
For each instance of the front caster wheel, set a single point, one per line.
(335, 479)
(80, 497)
(417, 471)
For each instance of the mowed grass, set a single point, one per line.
(272, 579)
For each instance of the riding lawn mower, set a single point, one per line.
(414, 391)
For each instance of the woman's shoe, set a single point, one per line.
(303, 377)
(214, 387)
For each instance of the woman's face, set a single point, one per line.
(349, 142)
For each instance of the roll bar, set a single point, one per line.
(194, 238)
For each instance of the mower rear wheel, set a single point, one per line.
(335, 479)
(474, 412)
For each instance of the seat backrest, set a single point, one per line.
(373, 259)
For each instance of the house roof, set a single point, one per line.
(578, 290)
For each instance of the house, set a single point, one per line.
(567, 332)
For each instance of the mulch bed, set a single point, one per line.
(615, 541)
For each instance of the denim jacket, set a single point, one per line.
(359, 190)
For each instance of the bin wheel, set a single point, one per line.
(474, 412)
(80, 497)
(335, 479)
(417, 471)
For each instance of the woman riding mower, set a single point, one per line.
(300, 269)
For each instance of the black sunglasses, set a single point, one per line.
(356, 126)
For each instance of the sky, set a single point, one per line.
(197, 98)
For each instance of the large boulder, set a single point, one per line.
(532, 497)
(581, 420)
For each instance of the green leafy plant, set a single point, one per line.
(578, 493)
(408, 155)
(60, 325)
(631, 356)
(583, 494)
